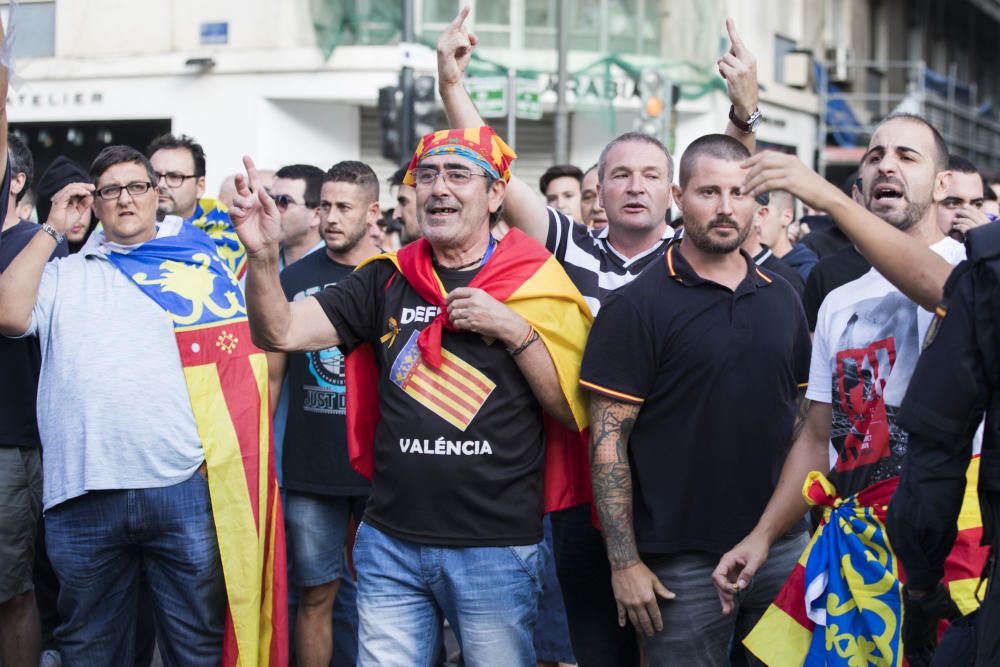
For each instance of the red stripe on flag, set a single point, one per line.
(967, 557)
(479, 384)
(465, 419)
(235, 376)
(791, 598)
(447, 389)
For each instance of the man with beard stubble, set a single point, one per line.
(666, 353)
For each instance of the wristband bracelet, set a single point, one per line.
(51, 231)
(528, 340)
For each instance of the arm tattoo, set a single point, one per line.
(800, 418)
(611, 424)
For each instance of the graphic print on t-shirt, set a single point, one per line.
(327, 396)
(455, 392)
(864, 430)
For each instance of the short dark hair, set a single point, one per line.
(941, 159)
(719, 146)
(634, 136)
(21, 162)
(356, 173)
(397, 177)
(181, 141)
(961, 165)
(988, 193)
(559, 171)
(113, 155)
(313, 176)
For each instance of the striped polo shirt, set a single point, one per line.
(591, 262)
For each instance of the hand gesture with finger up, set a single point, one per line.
(254, 214)
(738, 66)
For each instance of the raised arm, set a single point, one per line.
(20, 281)
(523, 207)
(275, 324)
(738, 66)
(911, 266)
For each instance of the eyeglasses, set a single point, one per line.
(174, 179)
(284, 201)
(134, 189)
(455, 177)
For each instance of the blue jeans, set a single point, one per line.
(488, 594)
(98, 543)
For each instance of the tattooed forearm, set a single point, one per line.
(800, 418)
(611, 424)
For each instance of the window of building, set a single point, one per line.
(36, 28)
(618, 26)
(782, 47)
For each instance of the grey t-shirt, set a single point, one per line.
(113, 406)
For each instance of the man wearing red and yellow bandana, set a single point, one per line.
(464, 354)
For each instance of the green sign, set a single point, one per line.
(489, 93)
(529, 99)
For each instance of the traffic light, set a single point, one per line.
(425, 112)
(657, 97)
(388, 120)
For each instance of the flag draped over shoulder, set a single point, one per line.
(842, 604)
(526, 278)
(212, 217)
(226, 378)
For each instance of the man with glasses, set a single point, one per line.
(296, 192)
(456, 346)
(179, 165)
(143, 333)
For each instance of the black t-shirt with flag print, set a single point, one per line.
(458, 450)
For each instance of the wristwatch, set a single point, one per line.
(750, 124)
(51, 231)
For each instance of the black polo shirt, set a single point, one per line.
(717, 374)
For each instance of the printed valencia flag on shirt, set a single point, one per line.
(523, 275)
(226, 378)
(842, 604)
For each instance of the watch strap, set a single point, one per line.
(51, 231)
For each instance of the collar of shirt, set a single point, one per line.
(762, 256)
(99, 245)
(679, 269)
(602, 235)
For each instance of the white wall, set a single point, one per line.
(97, 28)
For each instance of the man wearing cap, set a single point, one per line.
(456, 345)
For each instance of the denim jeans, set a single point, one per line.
(98, 543)
(488, 594)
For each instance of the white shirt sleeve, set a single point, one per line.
(820, 365)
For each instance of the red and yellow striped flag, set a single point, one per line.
(226, 376)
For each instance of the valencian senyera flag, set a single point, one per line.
(842, 604)
(212, 217)
(226, 379)
(524, 276)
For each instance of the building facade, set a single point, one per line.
(298, 80)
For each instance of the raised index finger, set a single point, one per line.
(463, 14)
(734, 37)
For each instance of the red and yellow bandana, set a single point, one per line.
(478, 144)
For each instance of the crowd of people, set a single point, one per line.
(501, 425)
